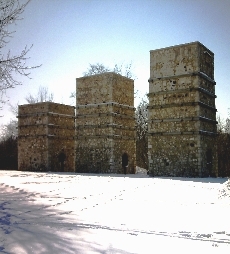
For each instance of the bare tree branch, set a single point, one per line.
(99, 68)
(96, 69)
(42, 96)
(141, 115)
(10, 129)
(11, 65)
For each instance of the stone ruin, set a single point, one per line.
(105, 123)
(44, 129)
(181, 124)
(93, 139)
(182, 113)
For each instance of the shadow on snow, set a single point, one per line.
(29, 226)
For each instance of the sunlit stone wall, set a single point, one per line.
(105, 123)
(44, 129)
(182, 113)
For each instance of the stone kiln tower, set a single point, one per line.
(105, 123)
(44, 129)
(182, 113)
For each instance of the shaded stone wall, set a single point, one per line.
(182, 113)
(44, 129)
(105, 123)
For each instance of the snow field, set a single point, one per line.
(86, 213)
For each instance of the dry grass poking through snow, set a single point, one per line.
(225, 191)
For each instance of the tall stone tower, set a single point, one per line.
(105, 123)
(44, 130)
(182, 113)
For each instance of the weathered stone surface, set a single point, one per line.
(182, 113)
(105, 123)
(182, 59)
(106, 87)
(181, 126)
(44, 129)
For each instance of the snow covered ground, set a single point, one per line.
(86, 213)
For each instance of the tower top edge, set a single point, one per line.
(104, 74)
(183, 45)
(45, 103)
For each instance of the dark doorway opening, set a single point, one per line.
(125, 162)
(209, 161)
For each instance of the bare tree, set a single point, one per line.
(223, 147)
(11, 65)
(124, 70)
(223, 152)
(223, 125)
(142, 129)
(42, 96)
(98, 68)
(14, 108)
(10, 129)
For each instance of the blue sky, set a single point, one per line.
(67, 35)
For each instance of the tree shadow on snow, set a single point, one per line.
(27, 226)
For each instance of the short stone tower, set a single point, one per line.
(182, 113)
(105, 123)
(44, 130)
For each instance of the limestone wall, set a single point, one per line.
(103, 155)
(174, 155)
(32, 153)
(106, 87)
(173, 98)
(181, 59)
(105, 123)
(182, 113)
(45, 129)
(160, 112)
